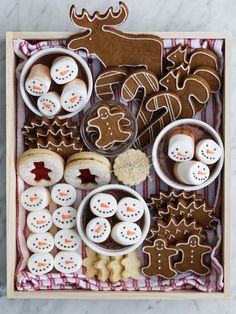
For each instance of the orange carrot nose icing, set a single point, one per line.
(65, 216)
(129, 232)
(73, 99)
(201, 173)
(98, 229)
(210, 152)
(62, 73)
(104, 205)
(130, 209)
(40, 222)
(42, 243)
(180, 154)
(40, 264)
(37, 87)
(68, 241)
(33, 198)
(69, 262)
(63, 194)
(48, 105)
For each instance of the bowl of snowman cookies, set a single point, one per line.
(188, 154)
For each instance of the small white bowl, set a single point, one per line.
(176, 184)
(99, 249)
(51, 51)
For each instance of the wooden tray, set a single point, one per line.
(11, 182)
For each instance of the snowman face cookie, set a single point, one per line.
(98, 229)
(64, 217)
(208, 151)
(40, 242)
(39, 221)
(63, 70)
(126, 233)
(129, 209)
(181, 147)
(49, 104)
(35, 198)
(67, 240)
(63, 194)
(103, 205)
(67, 262)
(40, 263)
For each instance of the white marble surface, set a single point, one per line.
(149, 15)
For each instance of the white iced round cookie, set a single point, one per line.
(208, 151)
(64, 217)
(35, 198)
(181, 147)
(98, 229)
(191, 172)
(103, 205)
(74, 95)
(40, 242)
(40, 263)
(38, 81)
(67, 262)
(67, 240)
(126, 233)
(129, 209)
(39, 221)
(49, 104)
(64, 69)
(63, 194)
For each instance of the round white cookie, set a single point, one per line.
(64, 69)
(181, 147)
(67, 240)
(38, 81)
(191, 172)
(67, 262)
(39, 221)
(64, 217)
(40, 263)
(63, 194)
(129, 209)
(98, 229)
(208, 151)
(35, 198)
(49, 104)
(126, 233)
(40, 242)
(103, 205)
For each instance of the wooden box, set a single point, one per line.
(11, 183)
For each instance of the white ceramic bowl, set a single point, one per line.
(176, 184)
(99, 249)
(50, 51)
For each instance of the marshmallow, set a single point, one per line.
(208, 151)
(67, 240)
(49, 104)
(67, 262)
(181, 147)
(63, 194)
(40, 263)
(39, 221)
(103, 205)
(64, 69)
(40, 242)
(74, 95)
(126, 233)
(191, 172)
(38, 81)
(98, 229)
(64, 217)
(35, 198)
(129, 209)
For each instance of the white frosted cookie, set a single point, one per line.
(40, 242)
(126, 233)
(103, 205)
(74, 95)
(35, 198)
(67, 240)
(64, 217)
(49, 104)
(40, 263)
(181, 147)
(191, 172)
(39, 221)
(63, 194)
(208, 151)
(67, 262)
(98, 229)
(38, 81)
(64, 69)
(129, 209)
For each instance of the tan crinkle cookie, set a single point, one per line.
(101, 267)
(89, 261)
(115, 268)
(131, 264)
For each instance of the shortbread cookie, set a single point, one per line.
(101, 267)
(38, 81)
(64, 217)
(115, 268)
(35, 198)
(49, 104)
(98, 229)
(129, 209)
(208, 151)
(39, 221)
(191, 172)
(63, 70)
(67, 262)
(181, 145)
(89, 261)
(131, 264)
(126, 233)
(63, 194)
(67, 240)
(40, 263)
(40, 242)
(103, 205)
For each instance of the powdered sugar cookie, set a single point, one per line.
(191, 172)
(126, 233)
(39, 221)
(35, 198)
(103, 205)
(98, 229)
(64, 217)
(67, 262)
(49, 104)
(67, 240)
(40, 242)
(40, 263)
(208, 151)
(64, 69)
(38, 81)
(129, 209)
(181, 146)
(63, 194)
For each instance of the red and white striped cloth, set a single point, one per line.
(212, 115)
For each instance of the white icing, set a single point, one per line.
(208, 151)
(49, 104)
(103, 205)
(129, 209)
(64, 217)
(35, 198)
(181, 147)
(191, 172)
(40, 242)
(67, 240)
(39, 221)
(98, 229)
(40, 263)
(63, 194)
(67, 262)
(64, 69)
(126, 233)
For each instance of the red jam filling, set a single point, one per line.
(40, 171)
(86, 176)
